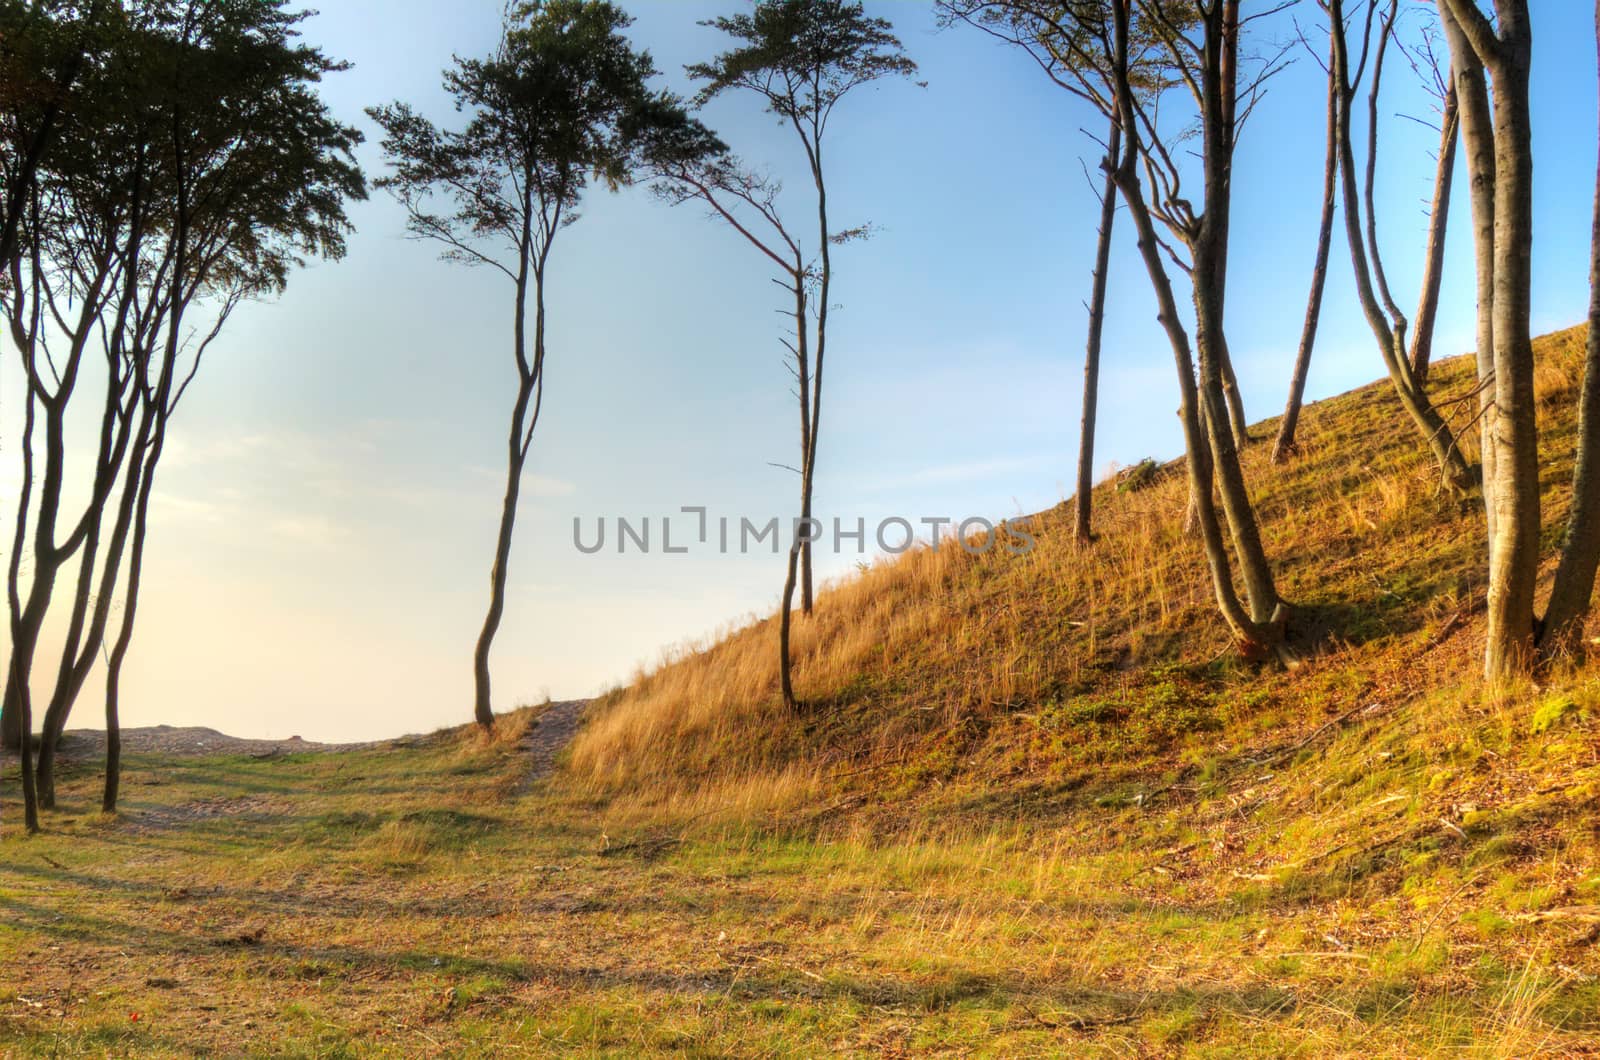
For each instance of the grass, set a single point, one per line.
(1035, 809)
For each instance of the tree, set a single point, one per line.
(747, 202)
(1438, 211)
(1499, 151)
(1052, 34)
(1284, 446)
(563, 101)
(1498, 145)
(1383, 315)
(203, 174)
(1562, 628)
(801, 58)
(1202, 42)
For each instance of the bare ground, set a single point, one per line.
(551, 732)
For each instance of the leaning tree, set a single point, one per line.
(1197, 46)
(564, 101)
(1383, 314)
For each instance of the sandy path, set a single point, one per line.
(553, 730)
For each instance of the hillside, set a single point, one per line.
(1036, 808)
(1103, 671)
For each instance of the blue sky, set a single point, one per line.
(320, 547)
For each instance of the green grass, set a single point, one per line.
(419, 901)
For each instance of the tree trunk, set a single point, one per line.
(1438, 225)
(785, 621)
(1514, 565)
(130, 607)
(803, 377)
(27, 625)
(1235, 401)
(1477, 142)
(1388, 330)
(1504, 254)
(1226, 472)
(1284, 447)
(1570, 597)
(528, 381)
(18, 709)
(1097, 316)
(1207, 402)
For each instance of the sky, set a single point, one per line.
(324, 518)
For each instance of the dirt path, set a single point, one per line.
(553, 730)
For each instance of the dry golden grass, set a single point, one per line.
(938, 666)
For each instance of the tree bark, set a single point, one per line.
(1097, 316)
(1570, 597)
(785, 625)
(1285, 447)
(809, 468)
(1209, 283)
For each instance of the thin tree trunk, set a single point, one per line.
(483, 710)
(785, 621)
(1196, 443)
(1477, 142)
(803, 377)
(27, 625)
(1226, 472)
(1097, 316)
(130, 607)
(1504, 252)
(1254, 639)
(517, 442)
(18, 710)
(1573, 591)
(1235, 401)
(808, 470)
(1438, 225)
(1284, 447)
(1388, 330)
(1226, 106)
(1210, 250)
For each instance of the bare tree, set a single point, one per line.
(802, 58)
(563, 100)
(1196, 47)
(1054, 35)
(1284, 446)
(1383, 315)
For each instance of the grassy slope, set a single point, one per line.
(1036, 809)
